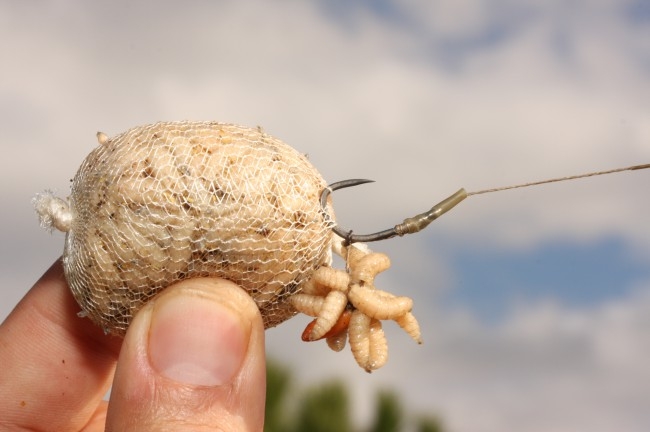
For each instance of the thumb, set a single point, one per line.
(192, 359)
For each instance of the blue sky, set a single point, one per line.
(424, 97)
(575, 275)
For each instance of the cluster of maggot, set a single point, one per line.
(347, 305)
(175, 200)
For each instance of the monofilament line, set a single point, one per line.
(559, 179)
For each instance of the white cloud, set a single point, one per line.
(549, 368)
(424, 104)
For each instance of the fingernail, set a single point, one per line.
(193, 339)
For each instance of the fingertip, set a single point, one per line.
(196, 341)
(194, 355)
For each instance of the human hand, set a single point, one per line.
(192, 359)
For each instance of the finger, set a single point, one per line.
(56, 367)
(193, 359)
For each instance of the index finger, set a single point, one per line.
(56, 367)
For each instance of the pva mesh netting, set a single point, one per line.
(171, 201)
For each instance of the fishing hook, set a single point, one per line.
(408, 226)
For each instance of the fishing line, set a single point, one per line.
(559, 179)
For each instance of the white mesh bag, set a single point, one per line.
(176, 200)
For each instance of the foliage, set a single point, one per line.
(429, 424)
(326, 407)
(389, 414)
(278, 383)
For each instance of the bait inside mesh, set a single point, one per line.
(170, 201)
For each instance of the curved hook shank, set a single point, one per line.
(408, 226)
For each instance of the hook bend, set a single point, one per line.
(408, 226)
